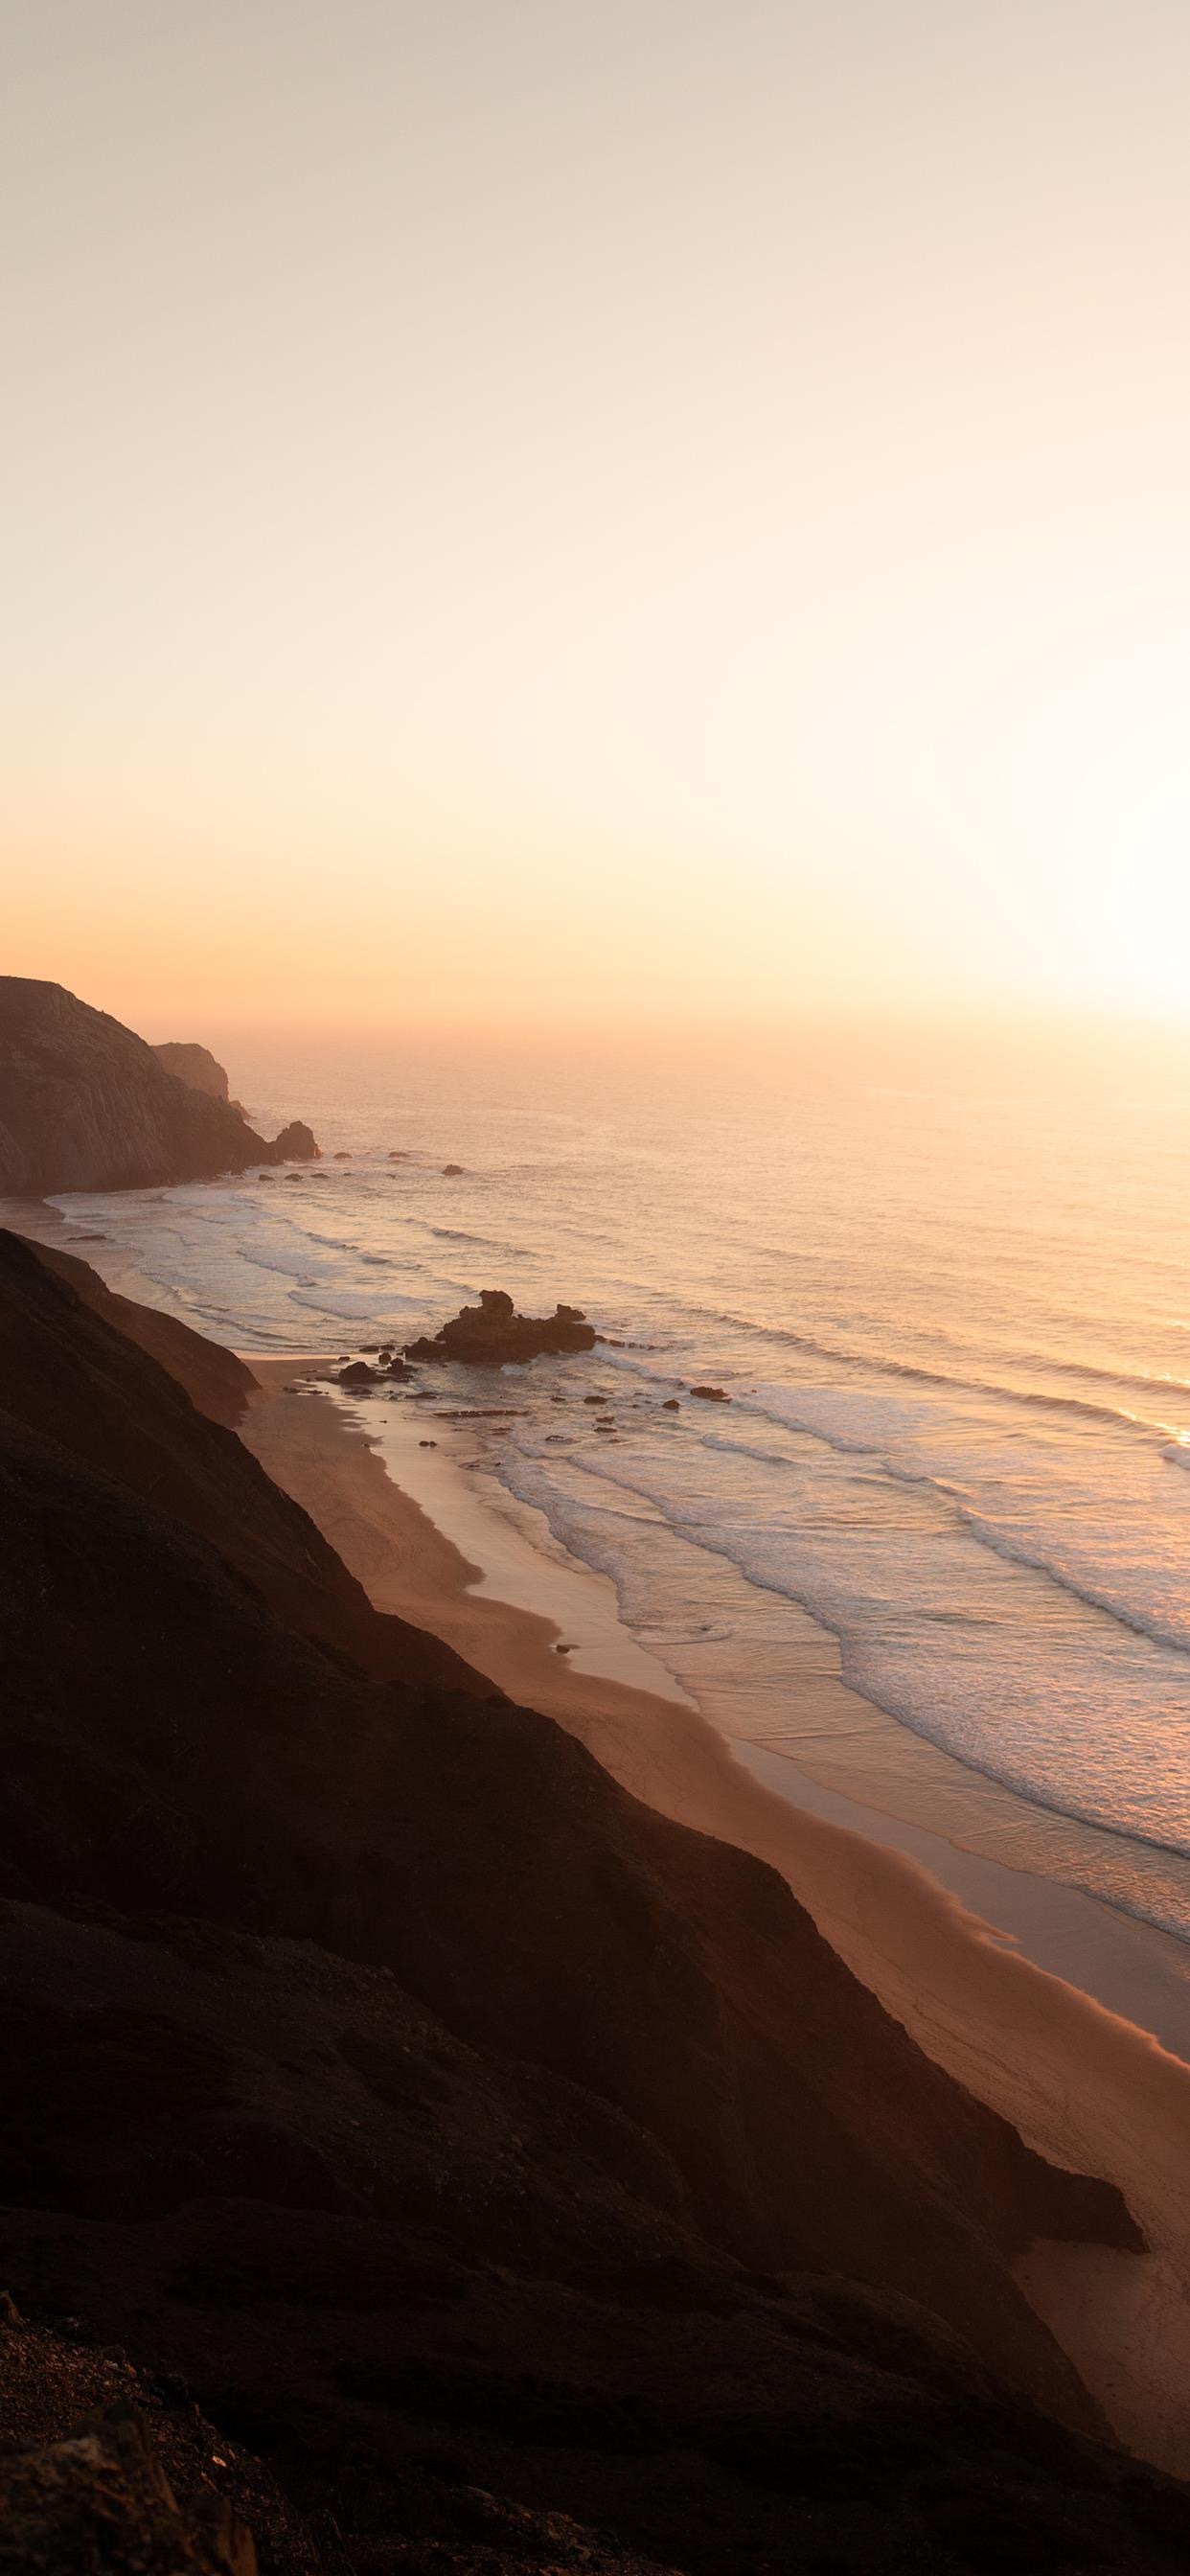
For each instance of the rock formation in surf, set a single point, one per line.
(295, 1144)
(389, 2094)
(87, 1105)
(359, 1373)
(492, 1333)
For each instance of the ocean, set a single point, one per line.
(955, 1334)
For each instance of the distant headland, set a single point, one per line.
(85, 1104)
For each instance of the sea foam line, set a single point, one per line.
(702, 1535)
(887, 1364)
(989, 1534)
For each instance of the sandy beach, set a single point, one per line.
(1086, 2085)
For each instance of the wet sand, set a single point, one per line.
(1084, 2084)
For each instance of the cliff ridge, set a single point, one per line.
(85, 1104)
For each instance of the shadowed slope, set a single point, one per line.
(217, 1383)
(376, 2059)
(68, 1373)
(167, 1745)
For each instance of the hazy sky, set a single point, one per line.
(596, 507)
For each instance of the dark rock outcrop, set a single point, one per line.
(711, 1394)
(87, 1105)
(100, 2500)
(88, 2432)
(295, 1144)
(196, 1066)
(492, 1334)
(111, 2470)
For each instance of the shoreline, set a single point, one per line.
(1085, 2085)
(486, 1575)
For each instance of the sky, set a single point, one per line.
(540, 512)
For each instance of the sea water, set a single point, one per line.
(954, 1328)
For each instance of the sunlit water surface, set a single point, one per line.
(955, 1332)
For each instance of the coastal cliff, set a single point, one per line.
(196, 1066)
(441, 2118)
(85, 1104)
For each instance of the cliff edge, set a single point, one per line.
(85, 1104)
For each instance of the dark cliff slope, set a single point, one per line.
(69, 1372)
(217, 1383)
(446, 2117)
(86, 1105)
